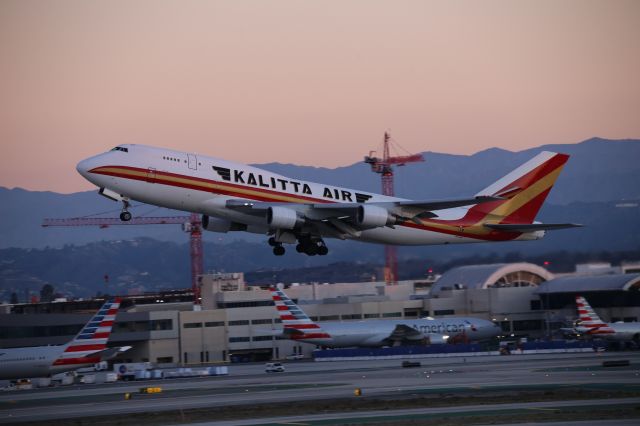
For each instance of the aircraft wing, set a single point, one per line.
(403, 332)
(359, 216)
(429, 206)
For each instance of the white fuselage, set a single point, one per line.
(201, 184)
(623, 332)
(375, 333)
(19, 363)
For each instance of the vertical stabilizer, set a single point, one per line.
(92, 338)
(297, 325)
(590, 322)
(523, 190)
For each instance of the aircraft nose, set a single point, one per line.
(83, 167)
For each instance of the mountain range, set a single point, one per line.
(600, 188)
(599, 173)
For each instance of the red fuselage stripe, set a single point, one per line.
(301, 326)
(231, 186)
(310, 336)
(73, 361)
(473, 216)
(82, 348)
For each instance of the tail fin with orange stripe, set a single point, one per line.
(523, 191)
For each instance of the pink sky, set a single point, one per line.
(308, 82)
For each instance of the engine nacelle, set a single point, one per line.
(215, 224)
(531, 236)
(374, 216)
(437, 339)
(283, 218)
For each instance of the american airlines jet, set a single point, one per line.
(238, 197)
(590, 323)
(87, 348)
(376, 333)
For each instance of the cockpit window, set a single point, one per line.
(120, 148)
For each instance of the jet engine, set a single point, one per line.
(374, 216)
(375, 341)
(283, 218)
(215, 224)
(437, 339)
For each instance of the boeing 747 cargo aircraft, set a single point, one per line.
(376, 333)
(237, 197)
(87, 348)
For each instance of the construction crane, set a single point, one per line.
(191, 224)
(383, 166)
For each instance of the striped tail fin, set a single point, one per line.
(590, 322)
(92, 338)
(524, 190)
(297, 325)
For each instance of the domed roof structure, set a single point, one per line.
(493, 275)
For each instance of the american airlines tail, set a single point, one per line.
(523, 192)
(590, 322)
(297, 325)
(85, 348)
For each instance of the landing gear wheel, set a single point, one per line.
(272, 242)
(278, 250)
(299, 248)
(323, 250)
(311, 250)
(125, 216)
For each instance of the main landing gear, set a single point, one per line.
(125, 216)
(312, 247)
(278, 249)
(308, 246)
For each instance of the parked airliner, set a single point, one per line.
(86, 349)
(377, 332)
(238, 197)
(590, 323)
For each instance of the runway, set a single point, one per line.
(248, 386)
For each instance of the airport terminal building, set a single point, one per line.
(240, 323)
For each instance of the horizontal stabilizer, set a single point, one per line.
(529, 227)
(292, 332)
(111, 352)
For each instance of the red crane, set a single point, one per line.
(191, 224)
(383, 166)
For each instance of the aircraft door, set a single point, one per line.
(193, 162)
(151, 175)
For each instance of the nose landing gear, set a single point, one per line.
(125, 216)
